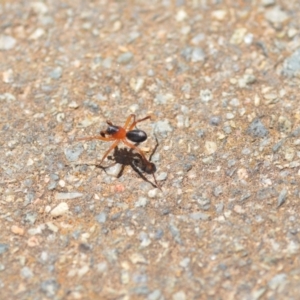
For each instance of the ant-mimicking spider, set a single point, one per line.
(119, 134)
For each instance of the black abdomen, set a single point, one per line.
(136, 136)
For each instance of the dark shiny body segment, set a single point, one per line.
(112, 129)
(136, 135)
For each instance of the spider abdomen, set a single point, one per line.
(136, 136)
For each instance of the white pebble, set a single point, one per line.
(114, 170)
(60, 209)
(64, 196)
(181, 15)
(206, 95)
(229, 116)
(7, 42)
(152, 193)
(39, 32)
(210, 147)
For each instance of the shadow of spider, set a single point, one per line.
(127, 157)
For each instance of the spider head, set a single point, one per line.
(111, 129)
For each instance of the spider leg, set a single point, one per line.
(96, 137)
(137, 149)
(157, 185)
(151, 167)
(137, 121)
(128, 120)
(109, 149)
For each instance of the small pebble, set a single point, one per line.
(10, 198)
(72, 154)
(61, 209)
(218, 191)
(107, 62)
(185, 262)
(8, 97)
(137, 258)
(219, 208)
(219, 15)
(246, 80)
(278, 145)
(206, 95)
(52, 227)
(238, 36)
(215, 120)
(229, 116)
(163, 127)
(181, 15)
(65, 196)
(8, 76)
(289, 153)
(114, 170)
(3, 248)
(197, 55)
(153, 193)
(30, 217)
(276, 15)
(284, 124)
(101, 218)
(175, 233)
(162, 176)
(163, 98)
(234, 102)
(136, 84)
(239, 209)
(210, 147)
(268, 2)
(257, 128)
(39, 32)
(49, 287)
(125, 58)
(26, 273)
(83, 271)
(39, 7)
(7, 42)
(282, 197)
(73, 104)
(56, 73)
(17, 230)
(199, 216)
(33, 242)
(179, 296)
(182, 121)
(62, 183)
(101, 267)
(277, 280)
(155, 295)
(141, 202)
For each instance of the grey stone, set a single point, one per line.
(72, 154)
(56, 73)
(291, 65)
(257, 128)
(3, 248)
(101, 218)
(125, 58)
(49, 287)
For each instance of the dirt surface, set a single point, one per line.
(220, 80)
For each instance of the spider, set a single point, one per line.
(117, 134)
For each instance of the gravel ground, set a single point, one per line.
(220, 80)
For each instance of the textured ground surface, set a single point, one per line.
(221, 81)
